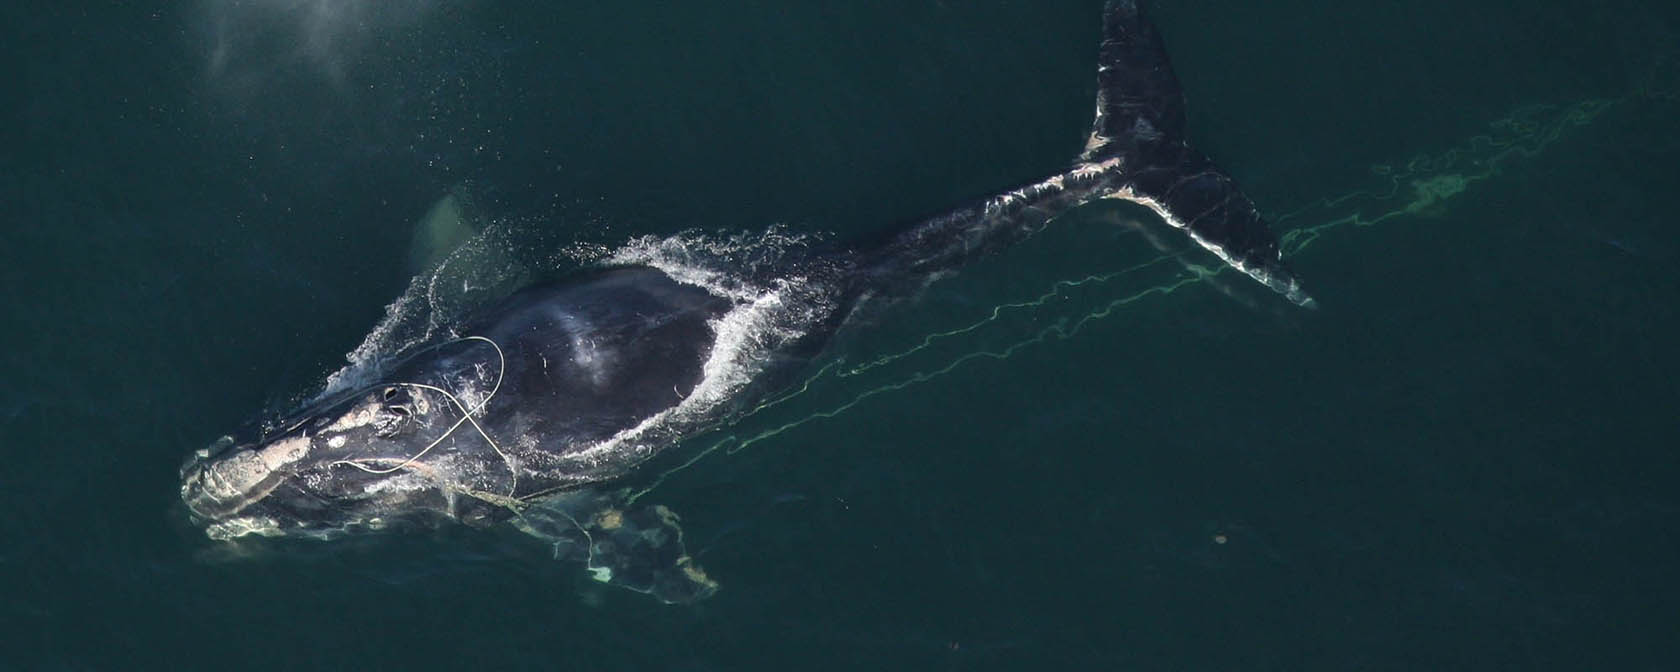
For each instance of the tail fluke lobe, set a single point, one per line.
(1194, 195)
(1139, 102)
(1139, 130)
(1136, 152)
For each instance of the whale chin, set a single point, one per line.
(269, 507)
(241, 526)
(234, 527)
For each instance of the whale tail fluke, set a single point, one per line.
(1136, 152)
(1139, 132)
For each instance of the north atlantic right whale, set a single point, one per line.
(535, 409)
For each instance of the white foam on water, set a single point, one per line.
(434, 303)
(364, 359)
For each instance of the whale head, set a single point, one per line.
(386, 455)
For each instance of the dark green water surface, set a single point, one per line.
(1465, 459)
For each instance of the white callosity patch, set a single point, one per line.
(360, 416)
(244, 470)
(241, 476)
(284, 452)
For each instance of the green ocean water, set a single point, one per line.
(1071, 455)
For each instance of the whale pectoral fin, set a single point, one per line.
(639, 549)
(446, 226)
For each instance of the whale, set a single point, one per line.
(534, 409)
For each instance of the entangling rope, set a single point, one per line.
(466, 417)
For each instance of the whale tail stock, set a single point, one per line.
(1136, 152)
